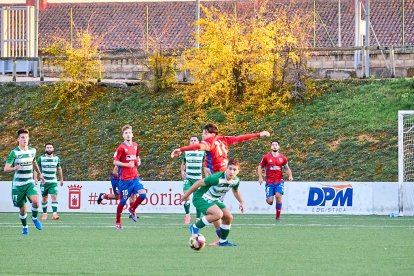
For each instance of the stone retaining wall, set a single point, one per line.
(325, 65)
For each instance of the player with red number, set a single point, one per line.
(274, 163)
(217, 147)
(128, 159)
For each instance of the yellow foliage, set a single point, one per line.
(78, 67)
(257, 61)
(162, 66)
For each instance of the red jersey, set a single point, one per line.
(274, 167)
(218, 147)
(125, 154)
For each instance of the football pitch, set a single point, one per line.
(157, 244)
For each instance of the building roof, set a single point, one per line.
(123, 25)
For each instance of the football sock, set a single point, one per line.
(44, 207)
(202, 222)
(54, 206)
(218, 232)
(187, 207)
(224, 231)
(138, 201)
(34, 212)
(119, 212)
(23, 219)
(278, 210)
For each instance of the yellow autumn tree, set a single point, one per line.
(162, 64)
(78, 68)
(255, 61)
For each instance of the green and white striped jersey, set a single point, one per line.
(48, 165)
(194, 161)
(216, 187)
(25, 159)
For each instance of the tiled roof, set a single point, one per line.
(122, 25)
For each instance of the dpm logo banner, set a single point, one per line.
(330, 198)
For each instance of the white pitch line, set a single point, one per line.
(173, 225)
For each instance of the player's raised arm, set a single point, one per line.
(200, 146)
(246, 137)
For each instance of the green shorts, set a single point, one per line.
(188, 183)
(20, 194)
(49, 189)
(202, 205)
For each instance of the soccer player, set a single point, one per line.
(128, 159)
(207, 194)
(217, 147)
(115, 188)
(50, 166)
(114, 177)
(22, 161)
(191, 171)
(274, 163)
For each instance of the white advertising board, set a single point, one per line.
(351, 198)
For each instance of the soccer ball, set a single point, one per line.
(197, 242)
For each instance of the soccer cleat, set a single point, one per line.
(119, 226)
(226, 243)
(216, 243)
(132, 215)
(193, 230)
(37, 224)
(187, 219)
(135, 214)
(44, 216)
(100, 198)
(55, 216)
(25, 231)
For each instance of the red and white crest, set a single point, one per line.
(74, 196)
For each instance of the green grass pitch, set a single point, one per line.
(88, 244)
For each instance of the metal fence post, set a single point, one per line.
(14, 70)
(363, 62)
(392, 62)
(41, 69)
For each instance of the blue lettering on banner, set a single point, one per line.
(334, 196)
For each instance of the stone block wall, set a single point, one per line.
(324, 65)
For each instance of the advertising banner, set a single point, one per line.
(351, 198)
